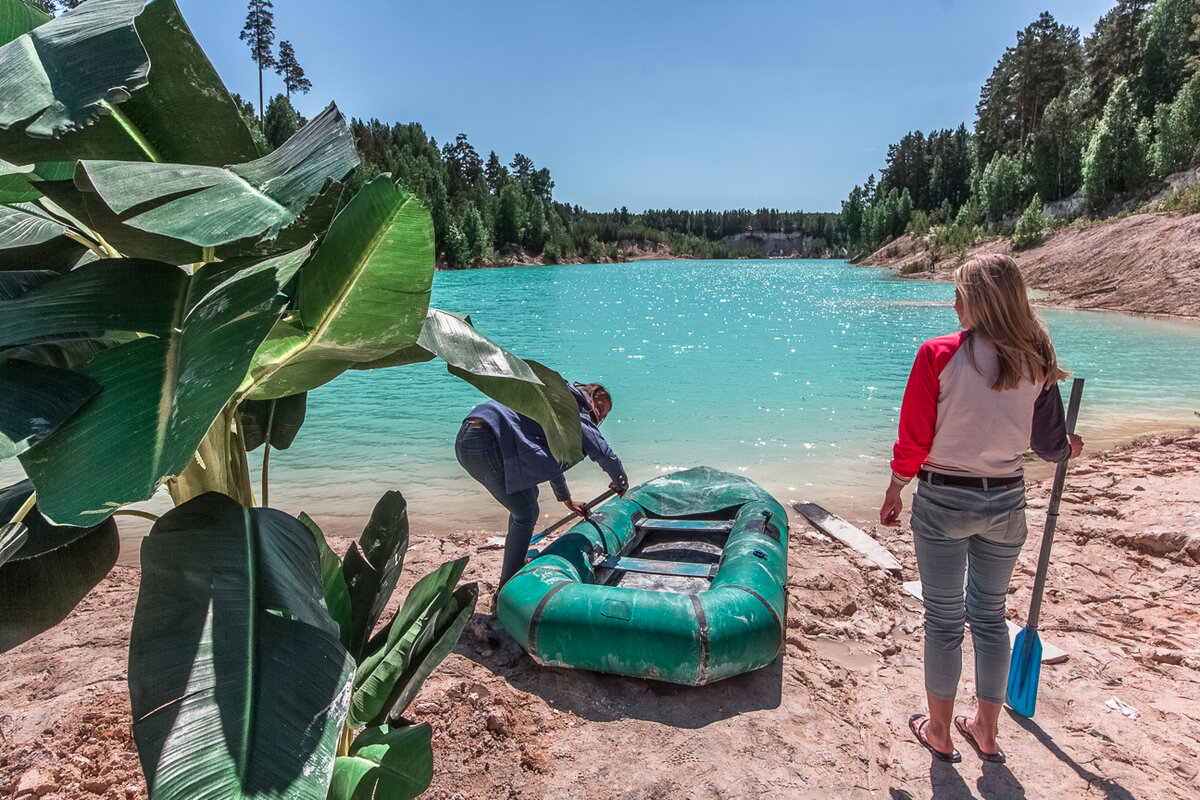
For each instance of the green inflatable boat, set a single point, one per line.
(681, 580)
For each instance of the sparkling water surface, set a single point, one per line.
(788, 372)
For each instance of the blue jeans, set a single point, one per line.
(479, 454)
(978, 532)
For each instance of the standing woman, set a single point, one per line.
(975, 401)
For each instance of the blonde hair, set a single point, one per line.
(997, 309)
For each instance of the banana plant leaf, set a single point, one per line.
(57, 255)
(274, 423)
(372, 567)
(527, 387)
(385, 762)
(50, 77)
(14, 183)
(161, 392)
(89, 210)
(333, 584)
(34, 400)
(159, 122)
(51, 571)
(18, 17)
(362, 295)
(24, 225)
(237, 680)
(423, 631)
(209, 206)
(15, 283)
(13, 536)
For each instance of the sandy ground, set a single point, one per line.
(825, 720)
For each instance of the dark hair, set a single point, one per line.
(595, 393)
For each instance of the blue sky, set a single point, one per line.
(651, 104)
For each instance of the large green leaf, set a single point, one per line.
(24, 224)
(371, 572)
(15, 184)
(362, 295)
(423, 631)
(393, 763)
(160, 122)
(59, 79)
(161, 392)
(210, 206)
(333, 584)
(51, 571)
(18, 17)
(237, 680)
(17, 282)
(524, 386)
(274, 423)
(13, 536)
(34, 400)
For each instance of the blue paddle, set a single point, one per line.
(1026, 666)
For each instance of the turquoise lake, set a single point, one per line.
(787, 372)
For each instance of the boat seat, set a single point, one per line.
(656, 567)
(697, 525)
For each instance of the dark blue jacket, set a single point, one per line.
(526, 455)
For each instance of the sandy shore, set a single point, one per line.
(825, 720)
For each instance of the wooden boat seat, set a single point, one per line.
(655, 566)
(691, 525)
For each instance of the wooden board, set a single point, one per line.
(847, 534)
(702, 525)
(1050, 653)
(656, 567)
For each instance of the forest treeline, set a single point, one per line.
(1065, 125)
(487, 211)
(1078, 127)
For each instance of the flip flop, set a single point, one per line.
(960, 722)
(953, 757)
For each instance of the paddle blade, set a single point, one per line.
(1024, 671)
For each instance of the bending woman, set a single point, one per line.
(507, 452)
(975, 401)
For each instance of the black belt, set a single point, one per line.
(939, 479)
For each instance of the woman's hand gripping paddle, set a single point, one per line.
(587, 506)
(1026, 666)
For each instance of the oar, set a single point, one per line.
(1026, 663)
(586, 506)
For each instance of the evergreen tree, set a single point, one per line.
(259, 34)
(495, 173)
(1047, 57)
(290, 70)
(1113, 51)
(1168, 48)
(463, 166)
(510, 217)
(534, 237)
(281, 121)
(522, 167)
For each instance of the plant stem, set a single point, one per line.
(220, 463)
(344, 741)
(133, 131)
(266, 460)
(25, 507)
(83, 240)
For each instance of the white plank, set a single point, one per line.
(1050, 653)
(848, 535)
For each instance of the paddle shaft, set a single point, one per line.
(589, 506)
(1060, 477)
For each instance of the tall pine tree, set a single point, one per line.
(259, 34)
(290, 70)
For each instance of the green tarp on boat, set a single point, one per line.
(681, 580)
